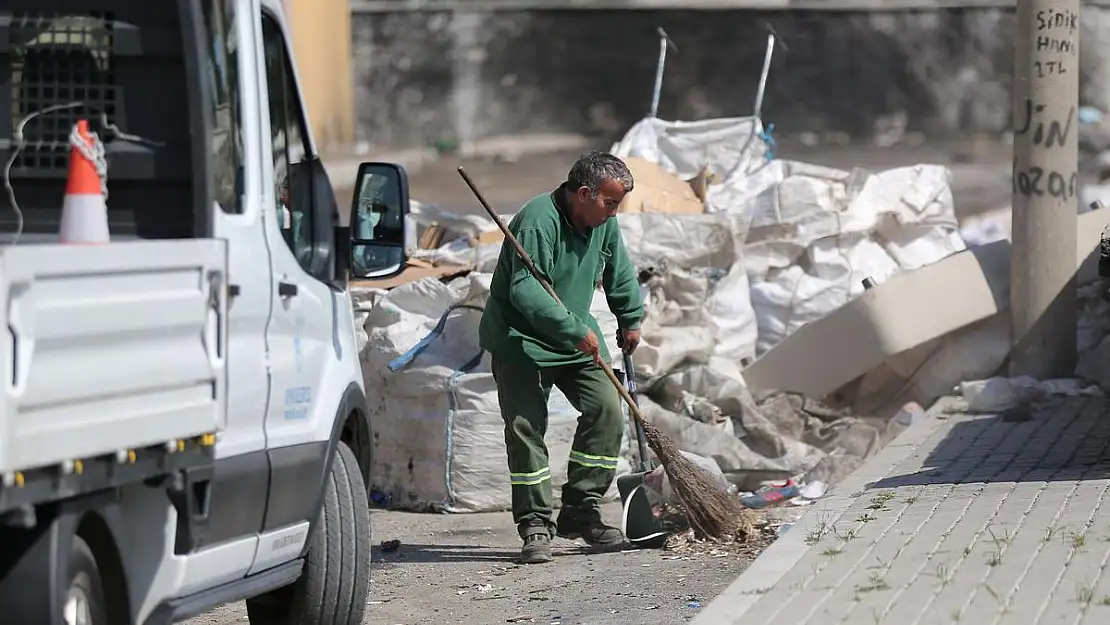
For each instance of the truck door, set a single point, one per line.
(304, 317)
(241, 471)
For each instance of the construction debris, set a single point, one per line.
(762, 350)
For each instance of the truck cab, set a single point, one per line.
(184, 420)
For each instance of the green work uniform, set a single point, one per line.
(532, 339)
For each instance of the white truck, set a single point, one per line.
(183, 422)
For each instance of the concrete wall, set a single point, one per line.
(322, 49)
(426, 77)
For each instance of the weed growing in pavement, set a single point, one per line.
(1084, 594)
(875, 582)
(1049, 532)
(878, 502)
(943, 574)
(995, 557)
(821, 530)
(1078, 540)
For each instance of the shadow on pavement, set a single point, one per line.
(436, 553)
(1064, 439)
(429, 553)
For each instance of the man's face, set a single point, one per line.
(595, 211)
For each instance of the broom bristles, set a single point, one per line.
(712, 511)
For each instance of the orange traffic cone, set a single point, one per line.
(84, 211)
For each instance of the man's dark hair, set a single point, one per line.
(594, 169)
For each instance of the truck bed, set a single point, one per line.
(115, 355)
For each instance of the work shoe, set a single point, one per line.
(590, 528)
(537, 545)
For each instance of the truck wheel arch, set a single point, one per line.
(98, 533)
(353, 428)
(357, 433)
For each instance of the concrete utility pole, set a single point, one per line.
(1045, 193)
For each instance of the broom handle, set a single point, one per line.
(524, 258)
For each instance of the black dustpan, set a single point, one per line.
(638, 522)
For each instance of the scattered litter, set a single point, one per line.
(694, 604)
(813, 490)
(652, 607)
(910, 413)
(379, 498)
(484, 588)
(390, 546)
(999, 394)
(1089, 115)
(769, 497)
(521, 619)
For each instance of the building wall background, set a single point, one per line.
(320, 31)
(443, 77)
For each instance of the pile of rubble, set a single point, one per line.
(758, 350)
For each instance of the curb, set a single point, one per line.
(730, 606)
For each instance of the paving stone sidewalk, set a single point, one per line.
(976, 519)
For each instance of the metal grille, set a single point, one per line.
(59, 58)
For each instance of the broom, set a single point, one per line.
(711, 510)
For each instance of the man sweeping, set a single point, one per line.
(536, 343)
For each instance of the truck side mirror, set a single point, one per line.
(379, 212)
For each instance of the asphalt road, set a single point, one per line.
(461, 569)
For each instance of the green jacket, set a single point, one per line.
(520, 317)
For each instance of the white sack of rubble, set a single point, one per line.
(438, 434)
(697, 303)
(729, 148)
(816, 233)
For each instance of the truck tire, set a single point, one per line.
(85, 603)
(333, 587)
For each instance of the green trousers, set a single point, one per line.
(523, 390)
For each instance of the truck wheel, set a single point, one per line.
(333, 587)
(85, 603)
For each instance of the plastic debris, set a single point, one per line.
(813, 490)
(390, 546)
(769, 497)
(910, 413)
(999, 394)
(379, 498)
(1089, 115)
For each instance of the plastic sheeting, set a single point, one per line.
(438, 434)
(729, 148)
(814, 233)
(697, 298)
